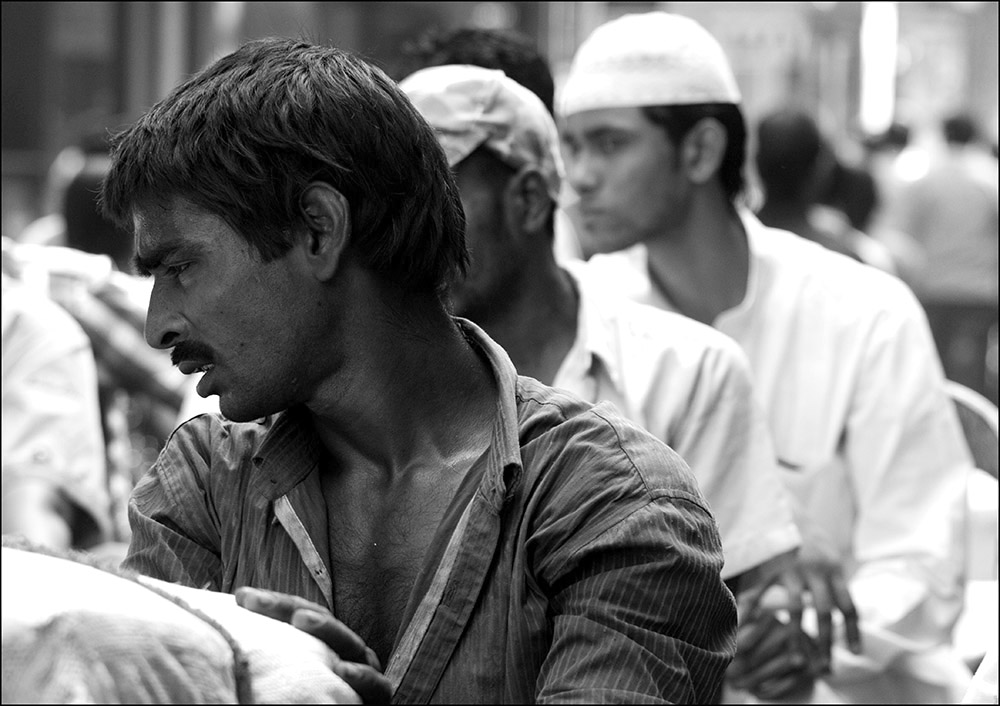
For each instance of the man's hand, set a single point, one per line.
(359, 667)
(775, 659)
(811, 573)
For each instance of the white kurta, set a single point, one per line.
(689, 386)
(845, 366)
(51, 414)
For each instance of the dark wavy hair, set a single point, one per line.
(677, 120)
(507, 50)
(244, 137)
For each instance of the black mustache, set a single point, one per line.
(191, 350)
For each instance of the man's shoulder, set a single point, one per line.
(646, 330)
(816, 275)
(594, 443)
(210, 436)
(642, 341)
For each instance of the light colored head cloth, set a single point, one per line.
(470, 106)
(655, 58)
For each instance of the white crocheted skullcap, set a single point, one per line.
(471, 106)
(654, 58)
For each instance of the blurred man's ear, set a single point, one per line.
(703, 149)
(529, 199)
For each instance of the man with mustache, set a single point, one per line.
(483, 537)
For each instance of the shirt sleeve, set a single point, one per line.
(174, 535)
(639, 611)
(723, 436)
(909, 466)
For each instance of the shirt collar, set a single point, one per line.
(503, 472)
(291, 450)
(754, 230)
(595, 330)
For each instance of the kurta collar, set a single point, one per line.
(638, 255)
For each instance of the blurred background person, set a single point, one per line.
(54, 472)
(797, 168)
(84, 227)
(84, 265)
(507, 50)
(520, 58)
(951, 215)
(851, 190)
(843, 360)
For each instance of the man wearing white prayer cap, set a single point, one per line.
(654, 144)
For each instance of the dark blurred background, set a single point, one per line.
(71, 67)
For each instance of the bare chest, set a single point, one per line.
(377, 550)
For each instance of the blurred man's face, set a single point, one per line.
(628, 177)
(496, 261)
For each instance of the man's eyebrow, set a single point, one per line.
(603, 131)
(145, 265)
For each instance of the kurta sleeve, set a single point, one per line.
(910, 465)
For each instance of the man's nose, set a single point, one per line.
(580, 173)
(163, 323)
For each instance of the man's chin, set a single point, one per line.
(597, 242)
(235, 413)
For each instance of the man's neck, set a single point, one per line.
(788, 215)
(702, 268)
(412, 394)
(537, 324)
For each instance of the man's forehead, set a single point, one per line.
(174, 214)
(165, 225)
(624, 118)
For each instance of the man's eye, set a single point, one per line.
(610, 144)
(174, 270)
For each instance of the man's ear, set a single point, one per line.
(529, 197)
(327, 218)
(703, 149)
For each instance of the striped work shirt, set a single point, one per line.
(578, 561)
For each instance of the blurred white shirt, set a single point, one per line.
(689, 386)
(846, 369)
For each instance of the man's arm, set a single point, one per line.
(724, 436)
(640, 613)
(909, 464)
(173, 535)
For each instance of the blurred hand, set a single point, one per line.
(774, 660)
(359, 667)
(810, 573)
